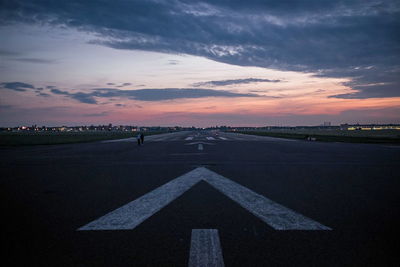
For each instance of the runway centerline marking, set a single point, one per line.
(210, 138)
(189, 138)
(205, 248)
(200, 147)
(134, 213)
(195, 143)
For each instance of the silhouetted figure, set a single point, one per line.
(139, 138)
(142, 138)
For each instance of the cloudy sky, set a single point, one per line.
(200, 63)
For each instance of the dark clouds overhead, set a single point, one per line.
(332, 38)
(79, 96)
(89, 96)
(17, 86)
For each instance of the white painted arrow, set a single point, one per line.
(134, 213)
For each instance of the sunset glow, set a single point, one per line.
(56, 73)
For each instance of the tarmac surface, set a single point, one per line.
(49, 193)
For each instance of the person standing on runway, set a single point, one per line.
(139, 138)
(142, 138)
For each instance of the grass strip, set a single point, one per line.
(55, 138)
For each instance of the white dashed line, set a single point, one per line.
(200, 147)
(189, 138)
(195, 143)
(205, 249)
(210, 138)
(223, 138)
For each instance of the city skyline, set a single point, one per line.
(201, 64)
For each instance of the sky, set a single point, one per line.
(199, 63)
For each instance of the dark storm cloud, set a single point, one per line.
(233, 82)
(17, 86)
(165, 94)
(59, 92)
(147, 94)
(329, 37)
(81, 97)
(371, 91)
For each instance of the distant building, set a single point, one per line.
(369, 127)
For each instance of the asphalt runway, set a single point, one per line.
(198, 198)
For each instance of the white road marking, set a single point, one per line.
(132, 214)
(195, 143)
(223, 138)
(189, 138)
(200, 147)
(205, 249)
(210, 138)
(272, 213)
